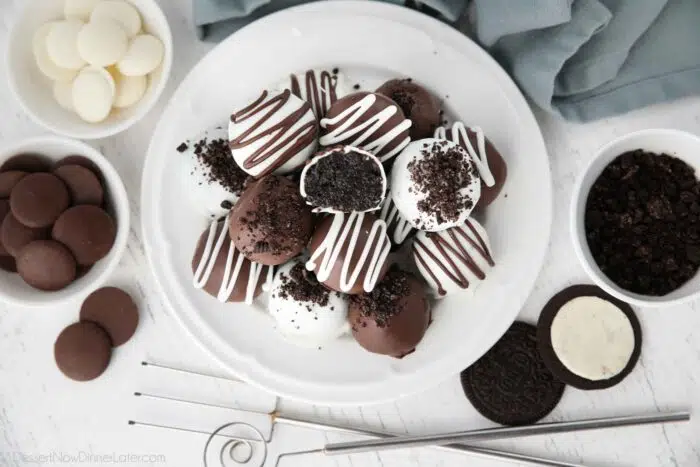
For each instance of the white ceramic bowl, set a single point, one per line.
(35, 93)
(680, 144)
(12, 288)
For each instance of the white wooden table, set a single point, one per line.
(46, 419)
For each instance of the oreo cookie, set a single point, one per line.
(588, 338)
(511, 384)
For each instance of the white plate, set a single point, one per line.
(370, 42)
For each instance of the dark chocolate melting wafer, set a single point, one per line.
(4, 211)
(82, 183)
(28, 162)
(38, 199)
(14, 235)
(8, 264)
(8, 180)
(82, 351)
(589, 339)
(114, 310)
(87, 231)
(46, 265)
(510, 384)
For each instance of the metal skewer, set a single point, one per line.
(502, 433)
(277, 418)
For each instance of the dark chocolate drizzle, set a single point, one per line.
(280, 132)
(448, 265)
(319, 95)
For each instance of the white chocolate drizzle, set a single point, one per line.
(361, 132)
(232, 271)
(460, 136)
(373, 256)
(402, 227)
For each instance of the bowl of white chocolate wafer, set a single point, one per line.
(88, 68)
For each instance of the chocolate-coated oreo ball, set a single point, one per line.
(418, 105)
(490, 164)
(87, 231)
(349, 252)
(222, 271)
(46, 265)
(392, 319)
(38, 199)
(270, 224)
(82, 351)
(368, 121)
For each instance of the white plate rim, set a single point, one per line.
(429, 377)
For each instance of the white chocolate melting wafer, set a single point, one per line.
(79, 9)
(144, 55)
(122, 12)
(102, 42)
(63, 93)
(62, 44)
(93, 94)
(130, 90)
(43, 61)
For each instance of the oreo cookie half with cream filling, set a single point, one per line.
(588, 338)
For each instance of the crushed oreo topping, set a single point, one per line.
(345, 182)
(403, 98)
(385, 300)
(182, 147)
(441, 175)
(277, 214)
(301, 286)
(642, 222)
(356, 87)
(215, 161)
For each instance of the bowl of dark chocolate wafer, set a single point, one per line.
(635, 218)
(64, 220)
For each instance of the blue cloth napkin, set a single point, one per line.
(581, 59)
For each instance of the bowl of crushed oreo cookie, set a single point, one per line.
(635, 218)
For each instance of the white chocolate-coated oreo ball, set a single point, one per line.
(306, 313)
(43, 61)
(63, 93)
(435, 184)
(79, 9)
(102, 42)
(275, 133)
(145, 53)
(62, 44)
(130, 90)
(122, 12)
(93, 94)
